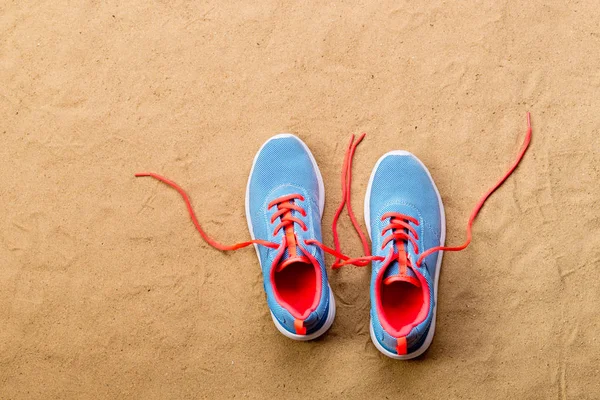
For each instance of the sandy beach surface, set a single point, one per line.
(106, 289)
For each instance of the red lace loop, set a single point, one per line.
(346, 200)
(284, 207)
(398, 224)
(285, 198)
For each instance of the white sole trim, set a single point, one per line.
(321, 208)
(367, 211)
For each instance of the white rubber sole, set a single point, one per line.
(367, 211)
(331, 314)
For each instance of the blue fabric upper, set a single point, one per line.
(282, 167)
(402, 184)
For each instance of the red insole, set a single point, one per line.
(401, 303)
(296, 284)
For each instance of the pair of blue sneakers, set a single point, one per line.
(404, 215)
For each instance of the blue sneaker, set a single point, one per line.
(284, 204)
(404, 216)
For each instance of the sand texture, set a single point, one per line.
(107, 291)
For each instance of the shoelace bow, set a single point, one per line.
(399, 226)
(401, 230)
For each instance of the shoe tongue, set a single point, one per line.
(288, 259)
(394, 274)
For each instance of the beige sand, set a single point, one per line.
(106, 290)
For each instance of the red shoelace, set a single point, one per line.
(399, 225)
(284, 204)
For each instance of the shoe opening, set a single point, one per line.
(401, 303)
(296, 286)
